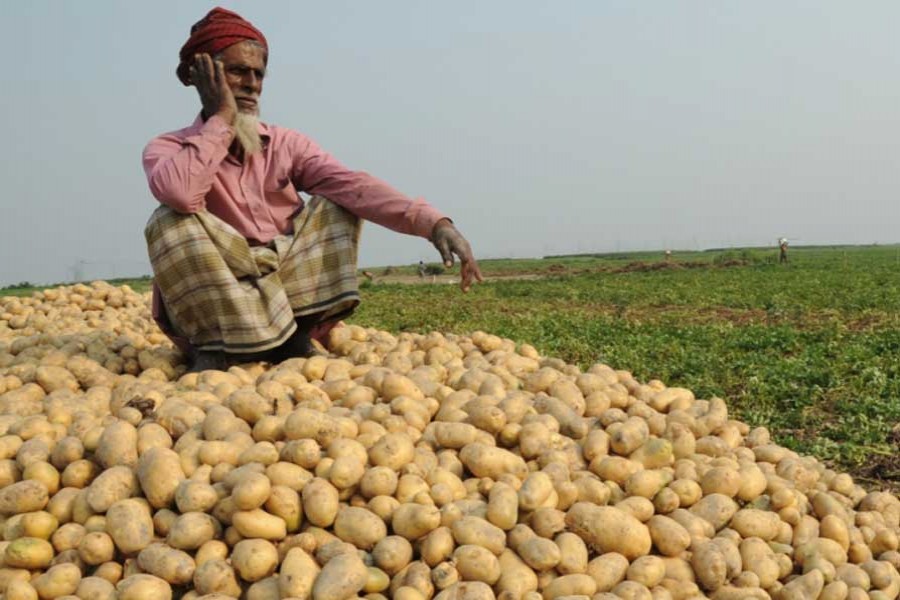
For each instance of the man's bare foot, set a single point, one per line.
(206, 361)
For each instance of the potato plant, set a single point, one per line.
(412, 467)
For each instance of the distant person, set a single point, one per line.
(783, 246)
(422, 270)
(242, 266)
(668, 256)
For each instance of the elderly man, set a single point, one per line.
(243, 267)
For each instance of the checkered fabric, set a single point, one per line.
(221, 293)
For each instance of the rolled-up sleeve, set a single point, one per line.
(180, 171)
(316, 172)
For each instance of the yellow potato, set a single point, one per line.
(254, 559)
(475, 563)
(191, 530)
(174, 566)
(320, 502)
(28, 553)
(608, 529)
(342, 576)
(96, 548)
(413, 521)
(60, 580)
(141, 587)
(297, 574)
(476, 531)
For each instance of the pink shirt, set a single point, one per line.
(191, 170)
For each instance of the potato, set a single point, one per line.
(96, 548)
(118, 445)
(648, 571)
(475, 563)
(258, 523)
(67, 537)
(174, 566)
(710, 565)
(110, 571)
(394, 450)
(130, 526)
(44, 473)
(669, 537)
(541, 554)
(217, 577)
(717, 509)
(195, 496)
(60, 580)
(608, 529)
(378, 481)
(342, 576)
(437, 546)
(476, 531)
(18, 589)
(413, 521)
(750, 522)
(40, 524)
(467, 590)
(297, 574)
(283, 502)
(28, 553)
(570, 585)
(254, 559)
(573, 554)
(360, 527)
(487, 461)
(141, 586)
(159, 472)
(95, 588)
(503, 506)
(112, 485)
(22, 497)
(192, 530)
(251, 492)
(608, 570)
(320, 502)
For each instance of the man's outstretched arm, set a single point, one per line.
(317, 172)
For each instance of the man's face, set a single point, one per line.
(245, 68)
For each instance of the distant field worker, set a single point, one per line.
(422, 270)
(242, 268)
(783, 246)
(668, 256)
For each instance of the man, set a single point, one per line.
(243, 268)
(783, 247)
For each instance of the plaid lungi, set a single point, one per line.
(221, 293)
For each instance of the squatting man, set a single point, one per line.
(243, 268)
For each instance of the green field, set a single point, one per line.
(810, 349)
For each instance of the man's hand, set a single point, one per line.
(215, 94)
(449, 241)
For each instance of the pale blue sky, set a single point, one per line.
(540, 127)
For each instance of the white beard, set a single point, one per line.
(246, 132)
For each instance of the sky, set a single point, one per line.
(539, 127)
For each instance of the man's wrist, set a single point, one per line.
(441, 223)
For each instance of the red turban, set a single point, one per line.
(213, 33)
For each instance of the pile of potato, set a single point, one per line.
(408, 467)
